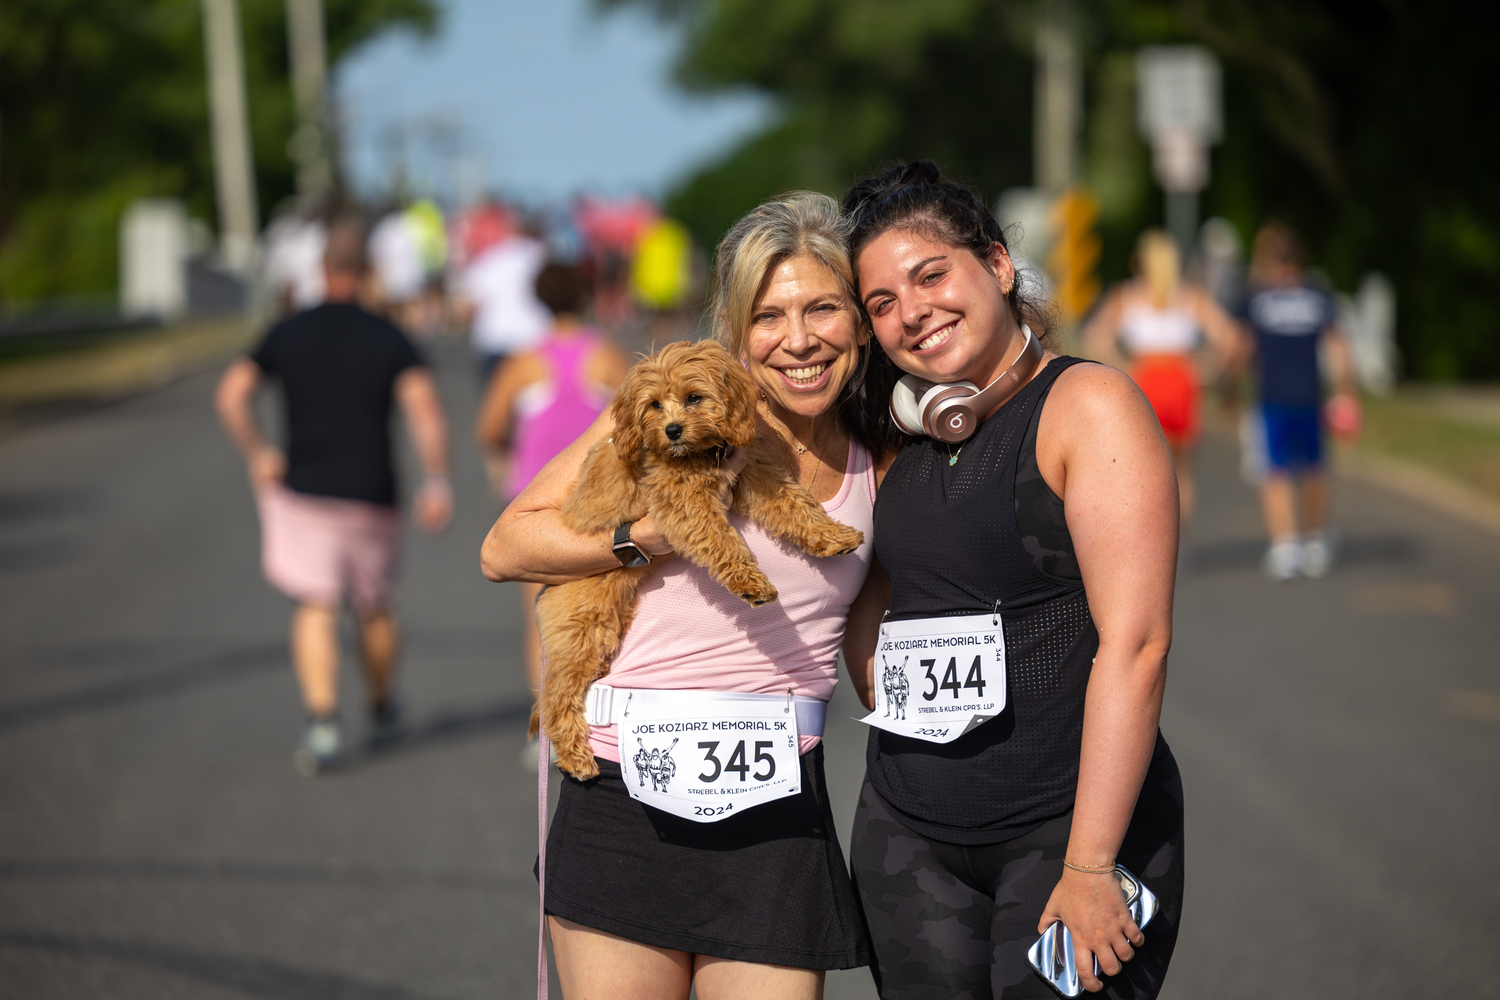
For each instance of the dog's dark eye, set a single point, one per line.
(693, 397)
(656, 404)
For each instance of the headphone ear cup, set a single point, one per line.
(906, 407)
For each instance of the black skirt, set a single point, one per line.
(767, 886)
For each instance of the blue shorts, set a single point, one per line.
(1294, 436)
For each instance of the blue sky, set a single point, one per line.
(539, 100)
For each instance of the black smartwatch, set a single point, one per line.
(631, 555)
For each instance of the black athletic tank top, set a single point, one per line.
(955, 537)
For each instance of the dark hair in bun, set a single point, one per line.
(915, 196)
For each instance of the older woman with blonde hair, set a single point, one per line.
(642, 902)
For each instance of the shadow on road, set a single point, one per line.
(254, 976)
(1358, 550)
(449, 726)
(214, 669)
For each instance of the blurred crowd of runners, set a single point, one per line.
(473, 270)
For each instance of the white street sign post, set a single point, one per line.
(1179, 110)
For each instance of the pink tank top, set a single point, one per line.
(689, 633)
(553, 413)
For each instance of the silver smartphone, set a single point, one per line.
(1052, 955)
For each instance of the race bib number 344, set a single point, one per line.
(710, 766)
(938, 678)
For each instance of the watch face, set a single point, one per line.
(631, 557)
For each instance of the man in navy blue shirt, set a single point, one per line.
(1287, 319)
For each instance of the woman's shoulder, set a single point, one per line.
(1091, 390)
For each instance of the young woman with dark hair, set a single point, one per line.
(1057, 520)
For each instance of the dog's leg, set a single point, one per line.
(581, 624)
(691, 515)
(765, 494)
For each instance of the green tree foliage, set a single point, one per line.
(103, 101)
(1370, 127)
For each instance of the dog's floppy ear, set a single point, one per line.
(739, 400)
(625, 411)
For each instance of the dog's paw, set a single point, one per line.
(579, 763)
(839, 541)
(751, 586)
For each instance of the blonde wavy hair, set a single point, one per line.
(802, 222)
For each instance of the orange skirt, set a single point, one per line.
(1171, 385)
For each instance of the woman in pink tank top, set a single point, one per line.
(642, 901)
(539, 402)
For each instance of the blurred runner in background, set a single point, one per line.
(477, 228)
(293, 263)
(423, 316)
(1285, 317)
(497, 299)
(1160, 324)
(408, 248)
(396, 262)
(329, 522)
(538, 403)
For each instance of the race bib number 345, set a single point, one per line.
(710, 766)
(938, 678)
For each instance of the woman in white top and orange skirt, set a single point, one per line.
(1154, 328)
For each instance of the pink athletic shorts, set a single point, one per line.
(318, 550)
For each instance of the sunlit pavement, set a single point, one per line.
(1339, 742)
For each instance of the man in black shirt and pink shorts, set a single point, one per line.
(330, 526)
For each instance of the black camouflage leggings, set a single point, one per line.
(950, 922)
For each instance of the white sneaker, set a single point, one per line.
(1283, 560)
(322, 747)
(1317, 556)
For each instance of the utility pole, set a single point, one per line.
(1073, 247)
(309, 146)
(234, 170)
(1058, 109)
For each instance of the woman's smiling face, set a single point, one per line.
(939, 311)
(804, 337)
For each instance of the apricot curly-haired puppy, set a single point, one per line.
(675, 416)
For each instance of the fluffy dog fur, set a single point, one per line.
(705, 396)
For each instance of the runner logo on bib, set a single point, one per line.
(938, 678)
(714, 764)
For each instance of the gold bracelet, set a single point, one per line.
(1090, 869)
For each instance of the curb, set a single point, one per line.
(1422, 484)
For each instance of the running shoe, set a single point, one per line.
(322, 746)
(1317, 556)
(385, 723)
(1283, 560)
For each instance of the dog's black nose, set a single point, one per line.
(674, 431)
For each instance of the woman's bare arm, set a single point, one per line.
(492, 427)
(1099, 337)
(1219, 330)
(530, 542)
(862, 631)
(1101, 449)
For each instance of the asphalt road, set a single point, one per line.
(1339, 742)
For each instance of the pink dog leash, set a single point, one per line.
(543, 762)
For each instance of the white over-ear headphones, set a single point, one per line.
(951, 411)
